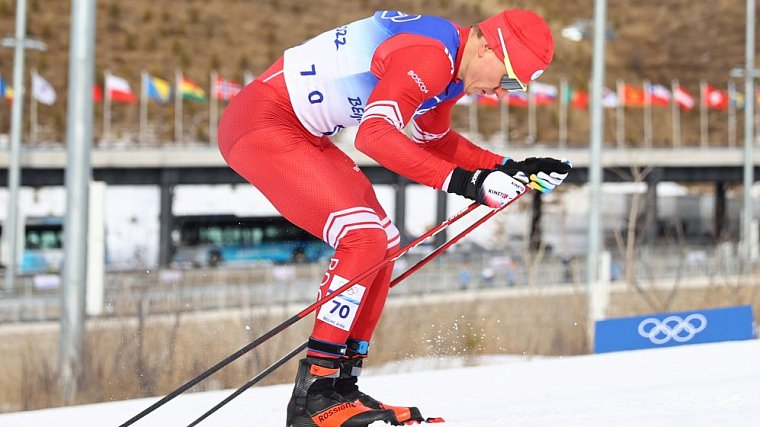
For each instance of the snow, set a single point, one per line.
(697, 385)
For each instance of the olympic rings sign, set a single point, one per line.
(673, 328)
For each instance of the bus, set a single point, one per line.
(213, 240)
(43, 245)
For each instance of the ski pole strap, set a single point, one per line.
(357, 348)
(328, 348)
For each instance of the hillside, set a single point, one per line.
(659, 40)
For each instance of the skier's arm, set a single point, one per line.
(432, 130)
(408, 75)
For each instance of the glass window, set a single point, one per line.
(44, 239)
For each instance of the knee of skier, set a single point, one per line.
(370, 243)
(392, 234)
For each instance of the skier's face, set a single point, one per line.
(484, 73)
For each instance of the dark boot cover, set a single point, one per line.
(315, 403)
(346, 385)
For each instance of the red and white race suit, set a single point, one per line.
(379, 74)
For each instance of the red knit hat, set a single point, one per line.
(528, 40)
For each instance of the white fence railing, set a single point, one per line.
(172, 291)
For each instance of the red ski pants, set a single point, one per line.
(317, 187)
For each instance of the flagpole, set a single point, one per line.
(213, 109)
(703, 125)
(106, 109)
(756, 114)
(647, 114)
(620, 115)
(731, 113)
(564, 94)
(3, 97)
(178, 113)
(10, 235)
(749, 243)
(531, 115)
(675, 114)
(143, 106)
(33, 112)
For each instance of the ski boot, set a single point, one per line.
(315, 403)
(350, 369)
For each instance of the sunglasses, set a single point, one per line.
(510, 82)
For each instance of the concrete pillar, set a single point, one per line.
(599, 296)
(535, 222)
(96, 249)
(166, 217)
(651, 227)
(719, 219)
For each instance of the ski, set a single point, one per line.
(429, 420)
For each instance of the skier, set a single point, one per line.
(380, 74)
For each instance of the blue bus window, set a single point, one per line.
(204, 240)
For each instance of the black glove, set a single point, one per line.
(492, 188)
(540, 173)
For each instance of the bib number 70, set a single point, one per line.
(340, 309)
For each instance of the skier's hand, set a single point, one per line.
(540, 173)
(492, 188)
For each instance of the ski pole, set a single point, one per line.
(300, 315)
(271, 368)
(451, 242)
(254, 380)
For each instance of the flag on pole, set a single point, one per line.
(3, 88)
(658, 95)
(610, 98)
(714, 98)
(191, 91)
(6, 90)
(488, 100)
(632, 96)
(517, 99)
(736, 98)
(576, 98)
(42, 90)
(468, 99)
(543, 94)
(579, 99)
(97, 93)
(225, 89)
(118, 90)
(159, 90)
(683, 99)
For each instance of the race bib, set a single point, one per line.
(341, 310)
